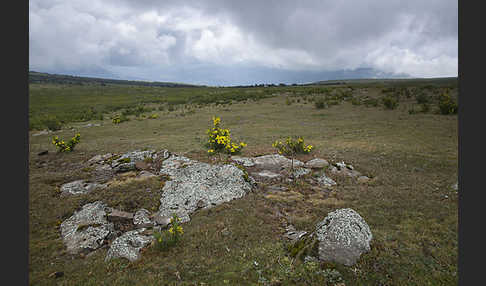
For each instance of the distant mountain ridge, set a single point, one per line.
(39, 77)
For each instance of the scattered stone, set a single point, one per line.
(343, 236)
(341, 165)
(79, 187)
(87, 229)
(194, 181)
(142, 217)
(325, 181)
(455, 187)
(99, 158)
(316, 163)
(45, 152)
(114, 215)
(294, 234)
(363, 179)
(275, 161)
(128, 245)
(267, 174)
(298, 172)
(161, 220)
(245, 161)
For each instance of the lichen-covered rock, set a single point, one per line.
(325, 181)
(87, 229)
(145, 174)
(266, 174)
(79, 187)
(316, 163)
(128, 245)
(194, 184)
(245, 161)
(275, 161)
(343, 236)
(299, 172)
(142, 216)
(173, 163)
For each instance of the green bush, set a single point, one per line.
(422, 98)
(447, 105)
(371, 102)
(320, 103)
(390, 102)
(355, 101)
(117, 119)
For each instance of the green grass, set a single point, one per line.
(411, 157)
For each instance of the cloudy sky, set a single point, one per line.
(222, 42)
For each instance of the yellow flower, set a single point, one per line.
(210, 151)
(171, 230)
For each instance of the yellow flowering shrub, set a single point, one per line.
(219, 140)
(165, 239)
(66, 147)
(292, 146)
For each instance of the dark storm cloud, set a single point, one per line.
(233, 41)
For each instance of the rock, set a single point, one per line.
(245, 161)
(266, 174)
(316, 163)
(194, 181)
(294, 234)
(161, 220)
(124, 167)
(45, 152)
(363, 179)
(56, 274)
(114, 215)
(299, 172)
(142, 217)
(145, 174)
(141, 165)
(128, 245)
(341, 165)
(87, 229)
(343, 236)
(344, 171)
(79, 187)
(275, 161)
(325, 181)
(164, 154)
(173, 163)
(99, 158)
(455, 187)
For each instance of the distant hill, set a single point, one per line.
(394, 81)
(38, 77)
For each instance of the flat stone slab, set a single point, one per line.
(275, 161)
(87, 229)
(128, 245)
(266, 174)
(196, 185)
(325, 181)
(245, 161)
(79, 187)
(343, 236)
(316, 163)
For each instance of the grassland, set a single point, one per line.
(410, 206)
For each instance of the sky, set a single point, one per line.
(222, 42)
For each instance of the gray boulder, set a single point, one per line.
(316, 163)
(79, 187)
(325, 181)
(343, 236)
(275, 161)
(87, 229)
(142, 216)
(128, 245)
(245, 161)
(196, 185)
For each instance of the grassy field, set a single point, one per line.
(409, 205)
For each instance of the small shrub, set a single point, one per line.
(168, 238)
(424, 107)
(320, 103)
(291, 147)
(355, 101)
(117, 119)
(447, 105)
(66, 147)
(153, 116)
(288, 101)
(390, 102)
(371, 102)
(421, 98)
